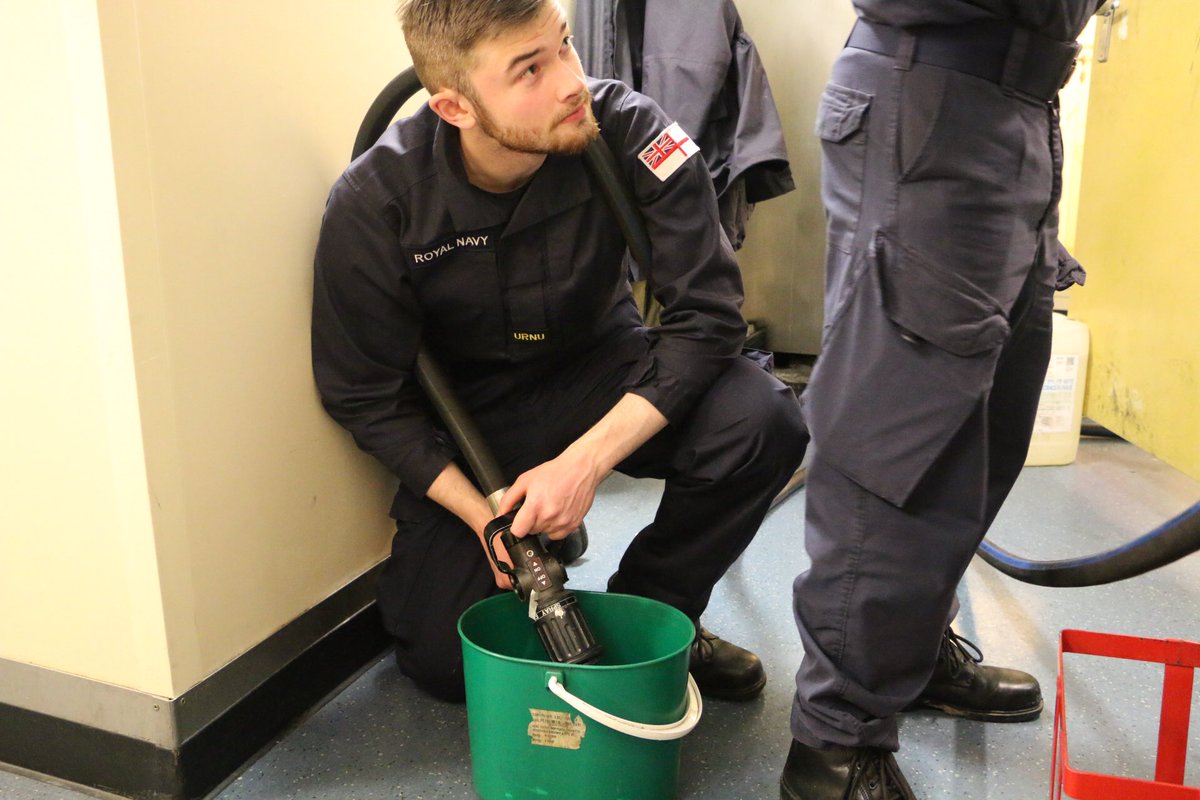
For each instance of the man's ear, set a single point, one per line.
(454, 108)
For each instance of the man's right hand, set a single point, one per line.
(452, 491)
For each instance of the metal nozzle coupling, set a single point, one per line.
(538, 578)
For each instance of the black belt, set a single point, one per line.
(1016, 59)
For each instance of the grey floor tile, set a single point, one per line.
(24, 787)
(380, 738)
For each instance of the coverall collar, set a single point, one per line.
(560, 183)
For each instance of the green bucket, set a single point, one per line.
(541, 730)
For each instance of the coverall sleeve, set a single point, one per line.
(693, 273)
(365, 334)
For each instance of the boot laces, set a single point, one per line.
(958, 651)
(703, 645)
(880, 776)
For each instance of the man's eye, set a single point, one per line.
(567, 41)
(532, 70)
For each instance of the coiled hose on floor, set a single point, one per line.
(1171, 541)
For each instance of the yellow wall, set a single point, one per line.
(1139, 231)
(182, 495)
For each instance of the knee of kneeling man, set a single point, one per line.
(782, 439)
(440, 675)
(771, 436)
(781, 421)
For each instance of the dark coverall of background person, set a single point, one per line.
(523, 300)
(941, 179)
(696, 60)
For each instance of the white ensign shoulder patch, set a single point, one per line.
(668, 151)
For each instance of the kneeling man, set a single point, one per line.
(472, 228)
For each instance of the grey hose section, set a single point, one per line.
(1165, 544)
(1088, 428)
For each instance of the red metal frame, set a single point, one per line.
(1180, 659)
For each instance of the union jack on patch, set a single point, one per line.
(668, 151)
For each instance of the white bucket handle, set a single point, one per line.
(642, 730)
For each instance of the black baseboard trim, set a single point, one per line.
(85, 755)
(137, 769)
(217, 751)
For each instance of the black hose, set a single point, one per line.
(429, 374)
(470, 441)
(384, 109)
(620, 199)
(621, 202)
(1165, 544)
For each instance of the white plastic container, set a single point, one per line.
(1060, 410)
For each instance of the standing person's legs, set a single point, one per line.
(872, 607)
(953, 180)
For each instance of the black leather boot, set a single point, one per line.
(842, 773)
(723, 670)
(962, 686)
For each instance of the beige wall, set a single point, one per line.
(79, 586)
(182, 495)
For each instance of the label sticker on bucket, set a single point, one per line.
(555, 729)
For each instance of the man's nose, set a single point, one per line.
(570, 82)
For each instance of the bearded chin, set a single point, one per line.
(577, 144)
(573, 142)
(526, 142)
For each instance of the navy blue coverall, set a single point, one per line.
(941, 180)
(523, 300)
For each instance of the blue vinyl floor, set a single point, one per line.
(379, 738)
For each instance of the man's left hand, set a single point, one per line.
(559, 492)
(554, 496)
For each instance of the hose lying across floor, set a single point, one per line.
(1165, 544)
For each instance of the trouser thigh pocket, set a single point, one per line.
(903, 366)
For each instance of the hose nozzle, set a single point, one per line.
(538, 578)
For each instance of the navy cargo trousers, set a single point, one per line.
(941, 191)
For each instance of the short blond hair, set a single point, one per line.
(441, 33)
